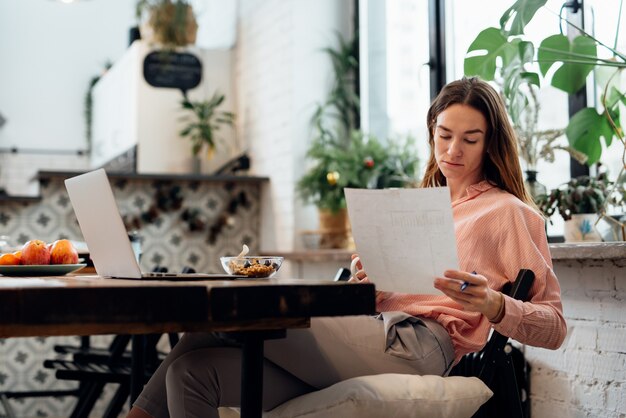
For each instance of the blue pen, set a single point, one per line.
(465, 284)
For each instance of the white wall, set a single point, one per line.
(50, 51)
(128, 112)
(281, 74)
(586, 377)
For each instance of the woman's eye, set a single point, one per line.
(444, 137)
(471, 141)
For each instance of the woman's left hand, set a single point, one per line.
(358, 273)
(476, 297)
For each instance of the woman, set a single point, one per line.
(498, 231)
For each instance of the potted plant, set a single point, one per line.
(334, 122)
(578, 202)
(522, 67)
(203, 120)
(343, 156)
(365, 162)
(534, 144)
(170, 23)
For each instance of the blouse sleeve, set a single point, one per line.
(538, 322)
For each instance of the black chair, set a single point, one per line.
(94, 368)
(495, 365)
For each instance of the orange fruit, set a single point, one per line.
(9, 260)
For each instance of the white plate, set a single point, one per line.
(42, 270)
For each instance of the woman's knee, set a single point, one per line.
(203, 373)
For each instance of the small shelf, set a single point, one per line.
(570, 251)
(19, 199)
(589, 251)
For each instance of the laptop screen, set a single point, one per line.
(102, 226)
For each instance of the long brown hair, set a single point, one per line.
(501, 166)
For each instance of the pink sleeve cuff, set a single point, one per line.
(512, 316)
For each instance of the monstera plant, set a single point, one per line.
(522, 67)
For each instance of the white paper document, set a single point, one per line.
(404, 237)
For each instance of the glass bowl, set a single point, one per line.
(248, 266)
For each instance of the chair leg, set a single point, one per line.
(87, 400)
(7, 407)
(173, 337)
(117, 402)
(506, 394)
(512, 391)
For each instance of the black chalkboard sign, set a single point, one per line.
(178, 70)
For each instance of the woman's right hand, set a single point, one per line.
(358, 273)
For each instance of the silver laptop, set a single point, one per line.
(105, 234)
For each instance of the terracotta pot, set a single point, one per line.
(335, 231)
(582, 228)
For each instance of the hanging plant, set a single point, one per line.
(89, 104)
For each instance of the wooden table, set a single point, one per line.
(88, 305)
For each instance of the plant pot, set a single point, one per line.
(163, 28)
(535, 188)
(196, 165)
(581, 228)
(335, 231)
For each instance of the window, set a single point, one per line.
(602, 22)
(395, 77)
(395, 92)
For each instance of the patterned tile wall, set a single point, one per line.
(182, 223)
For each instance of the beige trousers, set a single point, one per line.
(203, 371)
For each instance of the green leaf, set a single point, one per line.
(521, 12)
(488, 45)
(526, 51)
(577, 58)
(531, 78)
(584, 131)
(614, 96)
(186, 131)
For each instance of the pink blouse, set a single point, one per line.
(497, 235)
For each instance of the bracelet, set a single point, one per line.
(500, 313)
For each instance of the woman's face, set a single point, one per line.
(460, 143)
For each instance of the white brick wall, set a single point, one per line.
(18, 170)
(586, 377)
(280, 74)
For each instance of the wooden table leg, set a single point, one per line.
(252, 377)
(252, 370)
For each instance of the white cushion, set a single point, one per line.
(390, 395)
